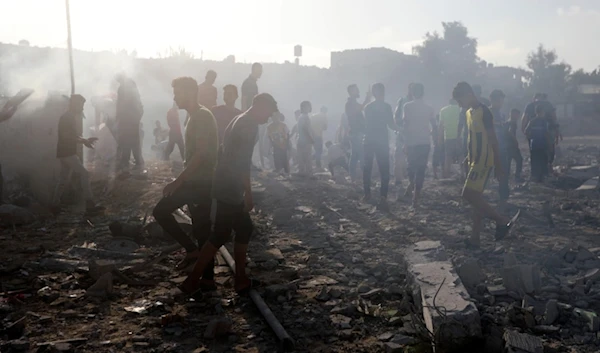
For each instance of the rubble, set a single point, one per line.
(11, 215)
(522, 343)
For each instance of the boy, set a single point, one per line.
(336, 157)
(279, 135)
(514, 153)
(483, 156)
(538, 133)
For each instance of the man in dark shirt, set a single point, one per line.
(250, 87)
(6, 113)
(207, 92)
(501, 128)
(541, 99)
(128, 117)
(400, 154)
(224, 114)
(356, 125)
(233, 192)
(66, 152)
(193, 186)
(378, 118)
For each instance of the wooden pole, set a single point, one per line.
(79, 126)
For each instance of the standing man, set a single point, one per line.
(483, 156)
(305, 140)
(224, 114)
(279, 135)
(514, 152)
(207, 92)
(233, 192)
(318, 123)
(128, 117)
(356, 126)
(501, 129)
(249, 91)
(419, 125)
(449, 117)
(66, 152)
(400, 154)
(175, 135)
(6, 113)
(193, 186)
(378, 118)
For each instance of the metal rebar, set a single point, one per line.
(285, 340)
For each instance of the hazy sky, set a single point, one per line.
(267, 30)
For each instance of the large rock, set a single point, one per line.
(15, 215)
(447, 308)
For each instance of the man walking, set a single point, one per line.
(207, 92)
(66, 152)
(501, 129)
(193, 186)
(224, 114)
(233, 192)
(128, 117)
(318, 123)
(305, 140)
(449, 117)
(378, 118)
(356, 125)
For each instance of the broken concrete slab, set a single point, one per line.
(521, 342)
(436, 285)
(470, 273)
(584, 172)
(590, 317)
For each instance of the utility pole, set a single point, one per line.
(79, 123)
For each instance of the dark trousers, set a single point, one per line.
(231, 218)
(514, 153)
(318, 150)
(1, 185)
(381, 151)
(129, 143)
(503, 188)
(174, 139)
(417, 157)
(198, 199)
(357, 148)
(340, 162)
(280, 159)
(539, 164)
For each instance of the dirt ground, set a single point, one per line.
(331, 267)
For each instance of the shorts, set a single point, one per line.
(477, 177)
(452, 150)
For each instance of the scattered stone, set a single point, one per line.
(217, 328)
(403, 340)
(546, 329)
(385, 336)
(592, 275)
(530, 276)
(323, 296)
(584, 254)
(62, 347)
(47, 294)
(511, 278)
(97, 268)
(395, 321)
(497, 290)
(552, 312)
(19, 345)
(340, 321)
(102, 288)
(14, 215)
(391, 347)
(470, 273)
(517, 342)
(318, 281)
(590, 317)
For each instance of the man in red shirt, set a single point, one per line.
(175, 136)
(225, 113)
(207, 92)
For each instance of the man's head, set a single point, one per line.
(211, 77)
(324, 110)
(185, 92)
(230, 94)
(378, 91)
(305, 107)
(328, 144)
(497, 98)
(257, 70)
(263, 107)
(418, 90)
(463, 94)
(353, 91)
(540, 111)
(76, 103)
(477, 90)
(515, 114)
(538, 97)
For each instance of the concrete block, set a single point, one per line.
(97, 268)
(470, 273)
(521, 342)
(530, 277)
(452, 316)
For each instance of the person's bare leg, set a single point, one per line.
(476, 200)
(239, 255)
(205, 257)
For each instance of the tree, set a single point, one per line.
(448, 58)
(547, 75)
